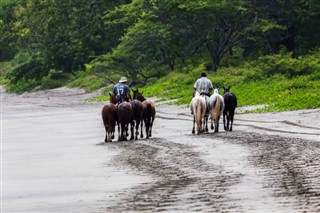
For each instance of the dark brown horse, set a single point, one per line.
(148, 112)
(124, 119)
(230, 104)
(109, 116)
(136, 119)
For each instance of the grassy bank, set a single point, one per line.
(279, 82)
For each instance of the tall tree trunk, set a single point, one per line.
(215, 64)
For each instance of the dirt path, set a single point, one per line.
(57, 163)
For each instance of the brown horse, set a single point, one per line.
(124, 118)
(136, 119)
(109, 116)
(148, 112)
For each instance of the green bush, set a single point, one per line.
(86, 81)
(54, 79)
(22, 86)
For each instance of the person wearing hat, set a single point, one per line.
(203, 85)
(121, 89)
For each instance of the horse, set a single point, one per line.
(136, 118)
(198, 105)
(109, 117)
(124, 119)
(216, 106)
(148, 112)
(230, 101)
(206, 115)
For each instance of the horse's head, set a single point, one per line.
(225, 90)
(138, 95)
(112, 98)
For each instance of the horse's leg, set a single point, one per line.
(141, 129)
(206, 122)
(228, 120)
(194, 121)
(224, 121)
(231, 120)
(150, 129)
(132, 129)
(112, 132)
(123, 132)
(137, 129)
(147, 127)
(119, 132)
(211, 118)
(216, 125)
(106, 138)
(127, 129)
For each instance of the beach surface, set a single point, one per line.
(53, 159)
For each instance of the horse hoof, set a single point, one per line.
(193, 131)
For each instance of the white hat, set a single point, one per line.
(123, 79)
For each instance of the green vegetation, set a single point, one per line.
(268, 51)
(279, 92)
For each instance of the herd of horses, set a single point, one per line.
(214, 106)
(136, 111)
(130, 111)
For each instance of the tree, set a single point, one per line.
(217, 26)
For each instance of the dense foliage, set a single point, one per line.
(50, 43)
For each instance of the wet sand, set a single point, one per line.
(53, 160)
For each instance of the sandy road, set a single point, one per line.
(53, 161)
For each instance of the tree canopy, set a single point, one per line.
(145, 39)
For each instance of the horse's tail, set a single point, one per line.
(199, 112)
(149, 114)
(215, 110)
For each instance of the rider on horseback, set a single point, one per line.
(121, 90)
(203, 85)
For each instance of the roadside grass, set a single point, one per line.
(4, 68)
(277, 92)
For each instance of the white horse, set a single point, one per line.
(216, 107)
(198, 106)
